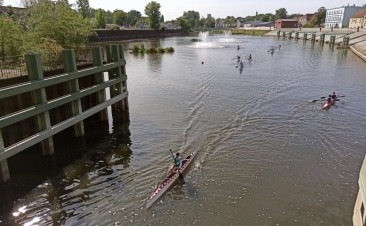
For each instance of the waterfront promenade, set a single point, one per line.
(357, 42)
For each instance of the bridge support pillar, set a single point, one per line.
(73, 87)
(4, 169)
(35, 73)
(332, 40)
(313, 35)
(99, 78)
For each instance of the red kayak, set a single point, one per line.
(328, 104)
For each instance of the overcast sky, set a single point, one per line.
(171, 9)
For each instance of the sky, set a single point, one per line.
(171, 9)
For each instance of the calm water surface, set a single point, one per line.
(266, 155)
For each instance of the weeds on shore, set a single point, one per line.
(140, 48)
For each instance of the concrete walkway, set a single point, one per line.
(357, 40)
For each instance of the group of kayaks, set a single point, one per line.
(174, 177)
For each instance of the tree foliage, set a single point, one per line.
(230, 20)
(83, 8)
(184, 24)
(56, 25)
(133, 17)
(152, 11)
(10, 37)
(209, 21)
(281, 13)
(28, 3)
(100, 20)
(192, 17)
(319, 16)
(119, 17)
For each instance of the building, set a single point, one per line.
(358, 20)
(305, 19)
(240, 23)
(339, 17)
(286, 23)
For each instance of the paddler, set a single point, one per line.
(177, 163)
(334, 96)
(329, 99)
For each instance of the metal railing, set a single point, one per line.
(14, 66)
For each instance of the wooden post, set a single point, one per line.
(4, 169)
(68, 56)
(35, 72)
(305, 36)
(117, 89)
(313, 35)
(99, 78)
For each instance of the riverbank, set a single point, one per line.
(357, 42)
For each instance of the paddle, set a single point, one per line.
(322, 98)
(181, 178)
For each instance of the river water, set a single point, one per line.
(266, 155)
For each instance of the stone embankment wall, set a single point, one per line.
(357, 40)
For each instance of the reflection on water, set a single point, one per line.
(266, 155)
(69, 185)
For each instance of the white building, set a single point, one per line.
(339, 17)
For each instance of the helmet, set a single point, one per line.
(177, 154)
(333, 92)
(330, 95)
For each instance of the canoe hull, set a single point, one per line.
(169, 181)
(328, 104)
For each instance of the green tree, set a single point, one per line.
(83, 8)
(64, 1)
(152, 11)
(192, 17)
(281, 13)
(108, 17)
(63, 28)
(10, 37)
(162, 18)
(27, 3)
(132, 17)
(119, 17)
(209, 21)
(184, 24)
(319, 16)
(264, 17)
(293, 16)
(230, 20)
(100, 21)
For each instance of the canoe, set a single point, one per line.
(328, 104)
(169, 181)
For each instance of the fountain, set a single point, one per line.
(204, 42)
(203, 36)
(227, 35)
